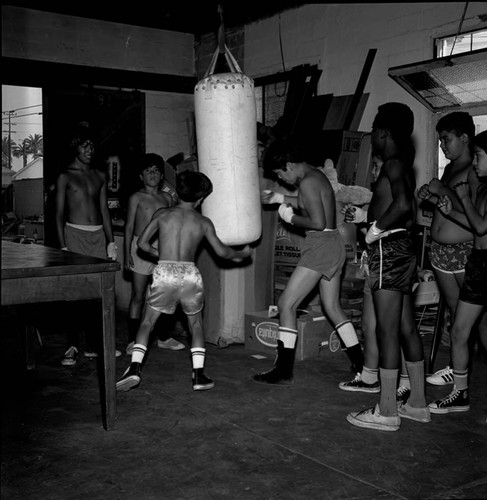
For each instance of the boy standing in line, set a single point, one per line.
(451, 242)
(84, 226)
(176, 279)
(141, 206)
(392, 267)
(473, 293)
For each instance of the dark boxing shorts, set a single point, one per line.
(474, 287)
(392, 263)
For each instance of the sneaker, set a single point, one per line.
(130, 378)
(417, 414)
(130, 347)
(457, 400)
(357, 384)
(402, 395)
(441, 377)
(70, 357)
(93, 354)
(171, 344)
(372, 419)
(200, 381)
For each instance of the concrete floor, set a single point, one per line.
(239, 440)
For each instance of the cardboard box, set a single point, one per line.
(316, 337)
(426, 293)
(353, 166)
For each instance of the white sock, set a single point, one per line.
(198, 357)
(288, 337)
(347, 333)
(138, 353)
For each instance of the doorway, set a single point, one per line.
(117, 121)
(22, 162)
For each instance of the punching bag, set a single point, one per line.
(226, 135)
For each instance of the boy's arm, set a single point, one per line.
(222, 250)
(477, 222)
(268, 197)
(401, 207)
(146, 235)
(59, 213)
(402, 197)
(311, 198)
(129, 230)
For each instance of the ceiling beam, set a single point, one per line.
(30, 73)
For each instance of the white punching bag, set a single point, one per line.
(226, 134)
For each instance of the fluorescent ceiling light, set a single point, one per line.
(447, 83)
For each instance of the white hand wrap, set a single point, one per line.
(286, 213)
(112, 251)
(373, 234)
(359, 215)
(272, 197)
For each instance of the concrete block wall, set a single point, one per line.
(337, 38)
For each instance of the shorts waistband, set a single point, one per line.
(398, 234)
(85, 227)
(326, 230)
(174, 262)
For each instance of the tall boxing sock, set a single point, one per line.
(417, 399)
(198, 357)
(138, 353)
(388, 383)
(348, 335)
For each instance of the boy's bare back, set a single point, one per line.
(180, 232)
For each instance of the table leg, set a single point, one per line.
(109, 363)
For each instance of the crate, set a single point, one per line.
(316, 337)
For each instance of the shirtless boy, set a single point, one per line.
(322, 257)
(392, 269)
(451, 241)
(83, 225)
(472, 300)
(176, 279)
(141, 206)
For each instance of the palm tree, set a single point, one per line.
(21, 150)
(35, 145)
(8, 146)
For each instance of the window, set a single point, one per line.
(465, 42)
(271, 99)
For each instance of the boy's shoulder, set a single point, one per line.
(137, 194)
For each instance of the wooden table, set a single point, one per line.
(35, 273)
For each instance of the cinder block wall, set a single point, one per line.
(337, 38)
